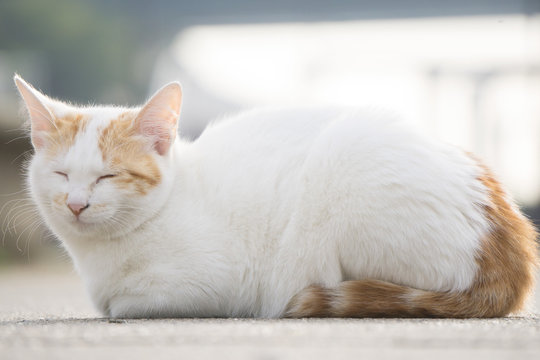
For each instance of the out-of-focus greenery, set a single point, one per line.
(87, 53)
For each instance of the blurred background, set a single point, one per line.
(464, 71)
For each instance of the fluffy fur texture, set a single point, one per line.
(274, 213)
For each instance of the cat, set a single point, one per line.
(274, 213)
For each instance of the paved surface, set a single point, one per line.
(44, 314)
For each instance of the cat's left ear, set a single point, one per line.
(158, 119)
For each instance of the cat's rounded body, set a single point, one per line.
(319, 212)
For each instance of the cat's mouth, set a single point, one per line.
(80, 221)
(86, 223)
(83, 226)
(77, 221)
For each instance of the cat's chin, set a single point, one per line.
(94, 228)
(83, 226)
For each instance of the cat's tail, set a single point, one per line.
(507, 263)
(374, 298)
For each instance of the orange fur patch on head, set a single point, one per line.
(65, 130)
(129, 155)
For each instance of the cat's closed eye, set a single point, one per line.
(62, 174)
(105, 177)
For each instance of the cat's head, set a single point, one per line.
(99, 171)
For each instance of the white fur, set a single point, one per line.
(264, 204)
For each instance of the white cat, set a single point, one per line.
(274, 213)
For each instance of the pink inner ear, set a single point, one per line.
(160, 128)
(41, 118)
(159, 117)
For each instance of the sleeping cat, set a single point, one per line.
(274, 213)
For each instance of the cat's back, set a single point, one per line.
(258, 155)
(285, 138)
(267, 128)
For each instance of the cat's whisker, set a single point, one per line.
(22, 191)
(117, 221)
(37, 225)
(23, 154)
(9, 202)
(9, 210)
(13, 229)
(20, 129)
(124, 223)
(30, 230)
(30, 226)
(8, 225)
(16, 138)
(15, 212)
(146, 211)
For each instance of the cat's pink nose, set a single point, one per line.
(77, 208)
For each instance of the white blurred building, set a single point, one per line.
(472, 81)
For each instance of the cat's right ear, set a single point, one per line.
(41, 117)
(158, 119)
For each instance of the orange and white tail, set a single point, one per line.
(506, 267)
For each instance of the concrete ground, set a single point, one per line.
(44, 314)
